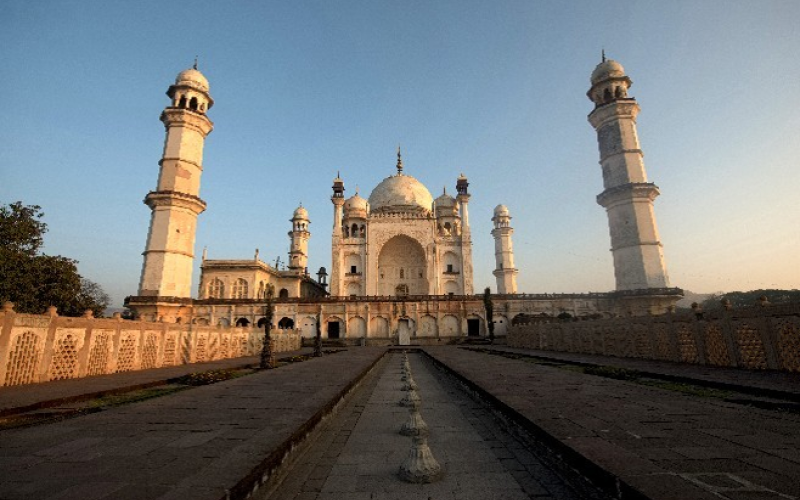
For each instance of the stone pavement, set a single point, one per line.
(21, 398)
(641, 440)
(358, 454)
(759, 382)
(210, 442)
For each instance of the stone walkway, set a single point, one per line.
(210, 442)
(21, 398)
(646, 441)
(760, 382)
(358, 454)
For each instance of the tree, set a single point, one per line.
(744, 299)
(34, 281)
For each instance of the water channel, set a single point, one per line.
(357, 453)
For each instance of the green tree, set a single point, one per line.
(34, 281)
(749, 298)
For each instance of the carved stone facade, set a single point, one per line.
(401, 241)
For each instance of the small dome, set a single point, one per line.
(607, 69)
(400, 193)
(445, 200)
(300, 213)
(192, 78)
(501, 211)
(355, 203)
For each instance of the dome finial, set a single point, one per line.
(399, 161)
(195, 62)
(603, 52)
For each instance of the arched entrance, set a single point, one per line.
(402, 267)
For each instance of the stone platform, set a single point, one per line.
(219, 441)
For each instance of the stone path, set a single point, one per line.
(760, 382)
(20, 398)
(211, 442)
(646, 441)
(358, 454)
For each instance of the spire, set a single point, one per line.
(603, 55)
(399, 161)
(195, 62)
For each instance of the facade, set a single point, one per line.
(400, 241)
(252, 278)
(401, 260)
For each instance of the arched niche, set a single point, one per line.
(402, 261)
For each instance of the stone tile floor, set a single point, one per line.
(659, 443)
(196, 444)
(358, 453)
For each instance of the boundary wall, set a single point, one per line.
(759, 337)
(39, 348)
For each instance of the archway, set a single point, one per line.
(402, 261)
(449, 326)
(286, 323)
(379, 327)
(427, 326)
(357, 327)
(243, 322)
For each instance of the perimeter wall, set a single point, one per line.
(39, 348)
(758, 337)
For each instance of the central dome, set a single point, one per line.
(400, 193)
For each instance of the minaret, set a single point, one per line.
(175, 204)
(298, 252)
(505, 272)
(336, 238)
(628, 196)
(466, 237)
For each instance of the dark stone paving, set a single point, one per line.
(765, 382)
(197, 444)
(16, 399)
(357, 454)
(658, 443)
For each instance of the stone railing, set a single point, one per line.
(760, 337)
(38, 348)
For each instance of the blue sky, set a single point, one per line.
(492, 89)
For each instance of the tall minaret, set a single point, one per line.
(175, 204)
(628, 197)
(505, 272)
(466, 236)
(336, 238)
(298, 253)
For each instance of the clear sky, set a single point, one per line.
(495, 90)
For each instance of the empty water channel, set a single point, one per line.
(357, 453)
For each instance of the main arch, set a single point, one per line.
(402, 267)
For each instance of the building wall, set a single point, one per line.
(754, 338)
(431, 317)
(39, 348)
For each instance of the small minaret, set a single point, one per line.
(336, 238)
(628, 196)
(505, 272)
(298, 252)
(175, 204)
(466, 237)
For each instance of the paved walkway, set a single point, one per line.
(661, 444)
(358, 454)
(759, 382)
(21, 398)
(205, 443)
